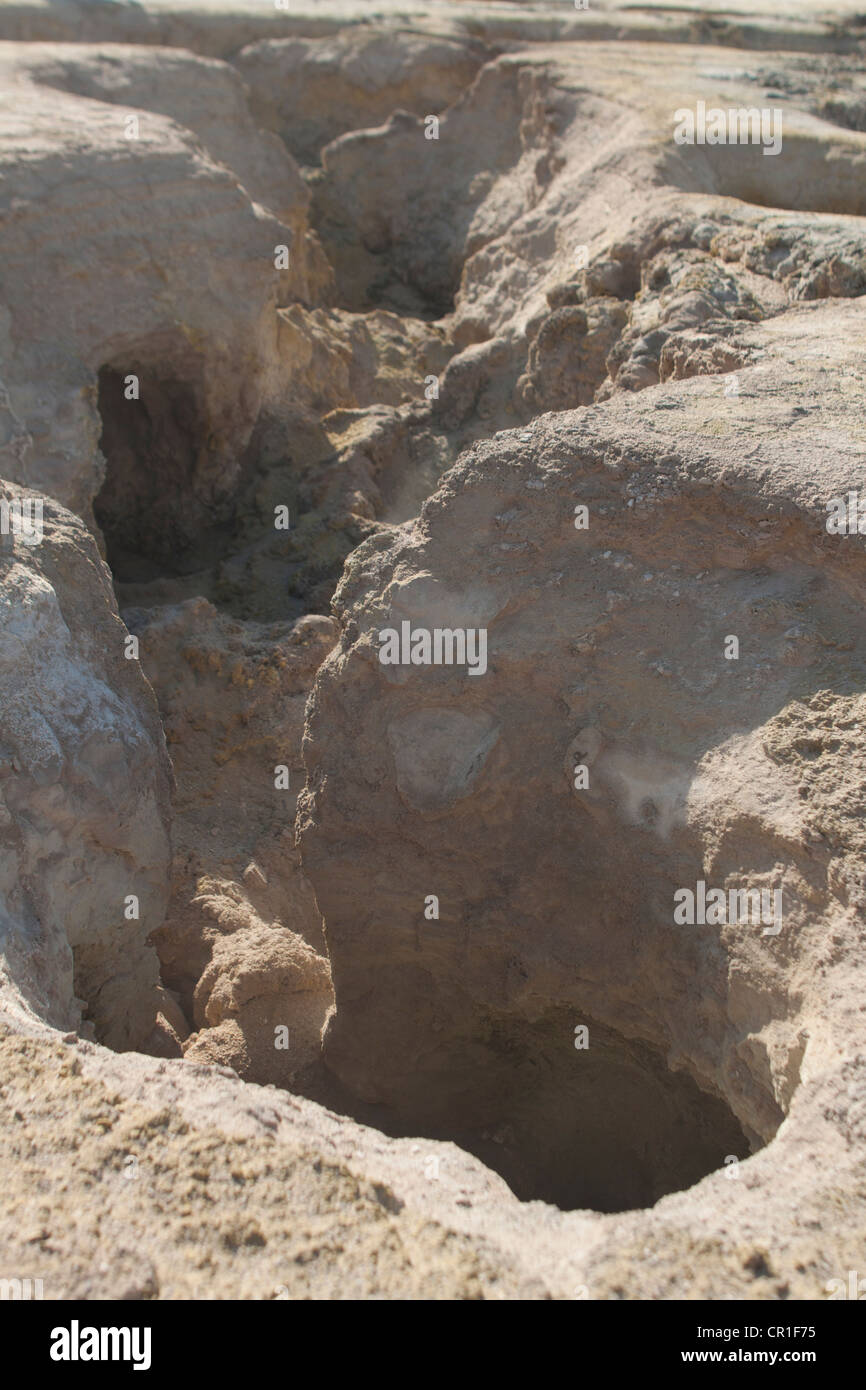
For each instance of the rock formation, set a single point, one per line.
(85, 791)
(526, 961)
(608, 655)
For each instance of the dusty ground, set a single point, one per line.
(375, 373)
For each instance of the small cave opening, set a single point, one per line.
(182, 518)
(150, 508)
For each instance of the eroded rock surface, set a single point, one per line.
(241, 944)
(607, 651)
(267, 276)
(85, 793)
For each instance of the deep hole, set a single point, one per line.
(168, 512)
(608, 1127)
(149, 509)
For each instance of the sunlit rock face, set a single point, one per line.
(431, 649)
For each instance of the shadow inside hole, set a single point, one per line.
(607, 1127)
(150, 508)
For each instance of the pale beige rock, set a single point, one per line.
(552, 250)
(309, 91)
(176, 284)
(84, 807)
